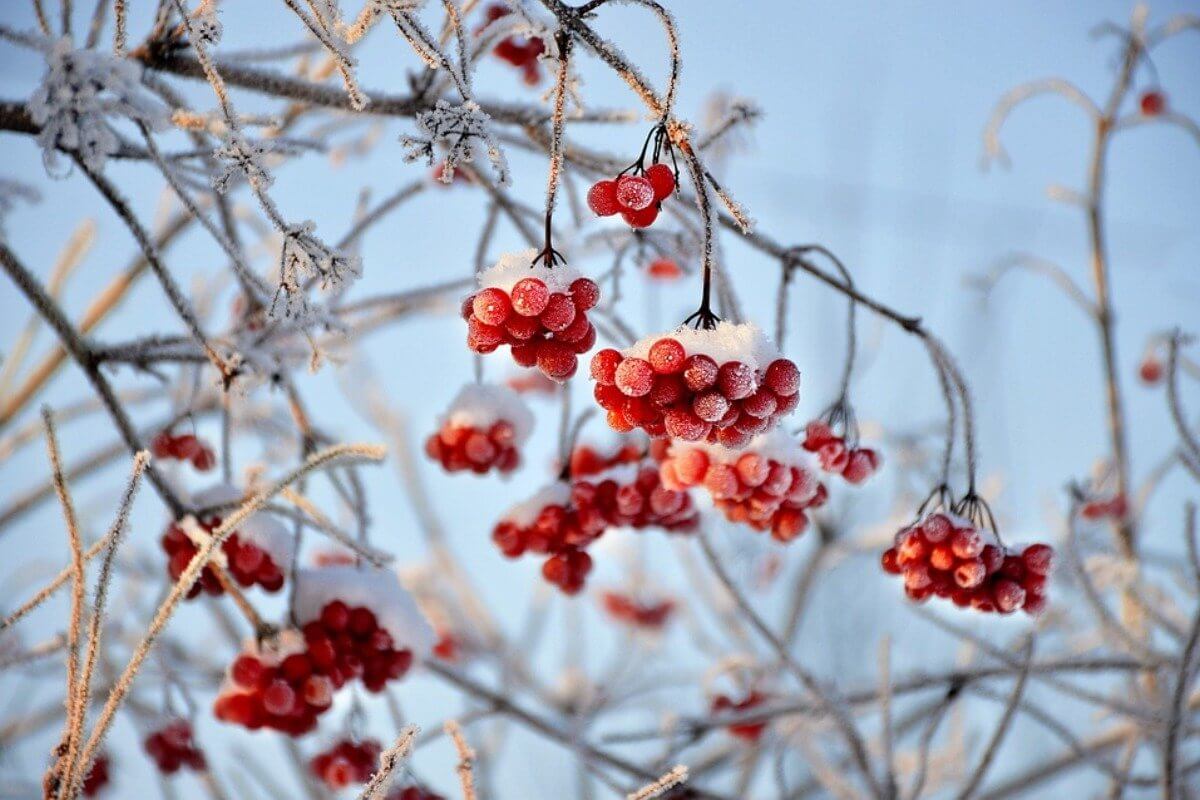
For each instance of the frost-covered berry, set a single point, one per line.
(491, 306)
(667, 356)
(482, 430)
(558, 314)
(634, 377)
(171, 747)
(662, 179)
(643, 218)
(585, 293)
(602, 199)
(345, 762)
(530, 297)
(634, 192)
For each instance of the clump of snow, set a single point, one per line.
(525, 513)
(80, 90)
(729, 341)
(514, 267)
(260, 529)
(481, 405)
(379, 590)
(620, 474)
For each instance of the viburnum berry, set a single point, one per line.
(664, 269)
(538, 310)
(483, 429)
(602, 199)
(412, 793)
(1113, 507)
(587, 460)
(172, 747)
(642, 218)
(642, 614)
(750, 731)
(520, 52)
(945, 555)
(634, 192)
(662, 180)
(346, 762)
(1151, 369)
(671, 384)
(767, 485)
(1152, 103)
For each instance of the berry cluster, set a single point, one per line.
(97, 777)
(749, 731)
(172, 748)
(564, 518)
(766, 486)
(636, 197)
(247, 562)
(481, 431)
(1113, 507)
(853, 463)
(519, 51)
(724, 385)
(355, 623)
(539, 311)
(948, 556)
(185, 447)
(664, 269)
(553, 523)
(637, 613)
(347, 762)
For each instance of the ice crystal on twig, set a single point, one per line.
(10, 192)
(305, 256)
(206, 25)
(242, 156)
(456, 130)
(79, 92)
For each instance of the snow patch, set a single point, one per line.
(513, 267)
(481, 405)
(525, 513)
(379, 590)
(729, 341)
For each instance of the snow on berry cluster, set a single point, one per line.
(346, 762)
(520, 51)
(948, 556)
(724, 385)
(768, 485)
(97, 777)
(638, 613)
(539, 311)
(637, 198)
(172, 748)
(254, 554)
(355, 624)
(185, 447)
(853, 463)
(483, 429)
(747, 731)
(562, 519)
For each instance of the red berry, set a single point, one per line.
(559, 313)
(491, 306)
(604, 366)
(585, 293)
(1038, 558)
(663, 269)
(667, 356)
(782, 377)
(681, 423)
(335, 616)
(529, 297)
(634, 377)
(710, 406)
(641, 219)
(634, 192)
(760, 404)
(1150, 370)
(662, 179)
(700, 372)
(602, 199)
(278, 698)
(735, 380)
(246, 671)
(1153, 103)
(556, 360)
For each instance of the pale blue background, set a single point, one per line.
(870, 144)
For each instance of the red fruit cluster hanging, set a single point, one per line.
(185, 447)
(519, 51)
(97, 777)
(947, 556)
(766, 486)
(346, 762)
(172, 747)
(564, 518)
(750, 731)
(539, 311)
(482, 430)
(853, 463)
(1113, 507)
(252, 555)
(413, 793)
(587, 460)
(725, 385)
(355, 624)
(636, 613)
(637, 197)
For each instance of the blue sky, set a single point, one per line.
(870, 144)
